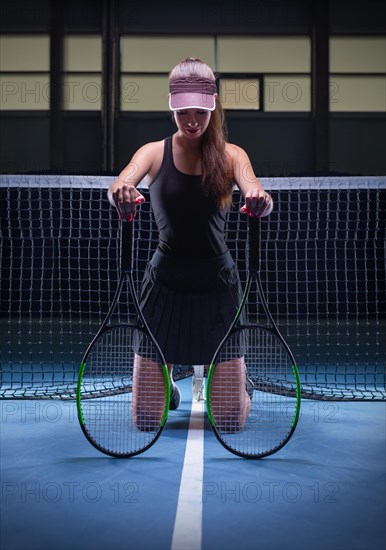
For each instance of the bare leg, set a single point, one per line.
(148, 394)
(230, 402)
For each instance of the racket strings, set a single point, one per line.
(259, 380)
(125, 370)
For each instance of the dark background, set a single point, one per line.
(279, 144)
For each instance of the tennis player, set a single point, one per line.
(191, 288)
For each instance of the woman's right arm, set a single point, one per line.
(122, 192)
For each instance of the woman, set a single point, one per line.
(191, 288)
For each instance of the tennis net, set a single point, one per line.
(323, 268)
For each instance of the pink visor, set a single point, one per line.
(192, 93)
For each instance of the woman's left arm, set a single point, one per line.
(257, 201)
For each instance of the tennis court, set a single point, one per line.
(323, 258)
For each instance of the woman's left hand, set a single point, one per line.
(257, 203)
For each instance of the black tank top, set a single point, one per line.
(190, 225)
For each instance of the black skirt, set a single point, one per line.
(189, 305)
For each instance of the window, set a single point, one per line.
(145, 65)
(279, 67)
(240, 93)
(25, 80)
(82, 73)
(265, 73)
(357, 74)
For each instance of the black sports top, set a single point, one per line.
(190, 225)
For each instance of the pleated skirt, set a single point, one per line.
(189, 305)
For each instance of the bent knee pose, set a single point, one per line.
(230, 401)
(191, 288)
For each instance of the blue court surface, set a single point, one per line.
(324, 490)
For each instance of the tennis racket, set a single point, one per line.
(253, 388)
(123, 390)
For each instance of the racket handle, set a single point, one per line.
(126, 245)
(254, 243)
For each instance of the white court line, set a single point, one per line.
(187, 534)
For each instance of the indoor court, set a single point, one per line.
(324, 489)
(84, 84)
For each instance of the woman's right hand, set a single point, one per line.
(126, 198)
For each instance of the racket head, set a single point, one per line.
(123, 391)
(253, 392)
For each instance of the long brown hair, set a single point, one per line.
(216, 173)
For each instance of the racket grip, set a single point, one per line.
(254, 243)
(126, 245)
